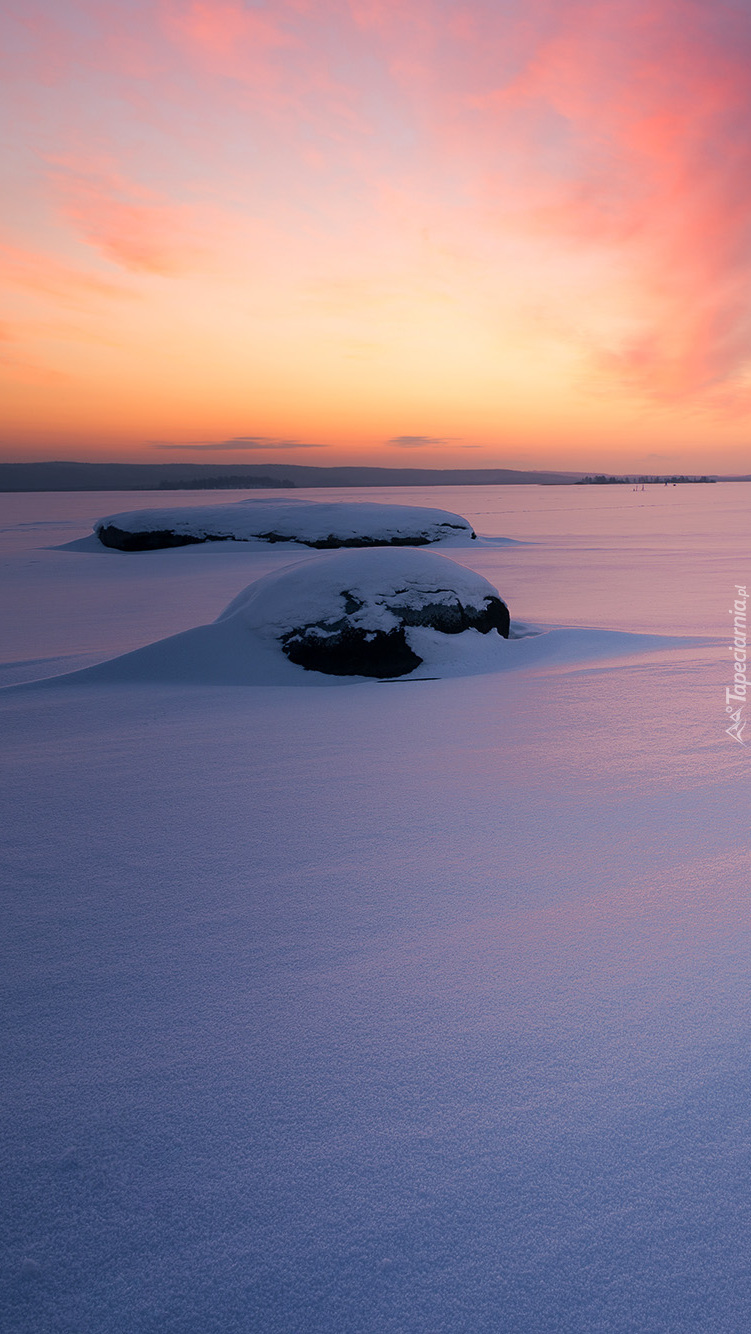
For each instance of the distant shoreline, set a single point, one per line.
(63, 475)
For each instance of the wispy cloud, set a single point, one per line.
(45, 274)
(416, 441)
(238, 442)
(129, 224)
(632, 116)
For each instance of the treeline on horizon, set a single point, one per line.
(602, 479)
(233, 482)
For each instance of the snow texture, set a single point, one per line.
(304, 522)
(407, 1008)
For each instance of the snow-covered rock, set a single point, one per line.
(361, 613)
(306, 522)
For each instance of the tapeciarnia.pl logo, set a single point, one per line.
(737, 696)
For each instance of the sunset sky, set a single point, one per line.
(432, 232)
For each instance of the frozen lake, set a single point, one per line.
(404, 1009)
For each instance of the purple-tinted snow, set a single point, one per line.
(419, 1007)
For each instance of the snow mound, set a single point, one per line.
(352, 613)
(305, 522)
(389, 615)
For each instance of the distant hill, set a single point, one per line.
(64, 476)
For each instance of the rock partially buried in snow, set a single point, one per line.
(307, 522)
(356, 613)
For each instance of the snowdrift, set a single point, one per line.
(307, 523)
(343, 617)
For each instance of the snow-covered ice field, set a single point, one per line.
(417, 1007)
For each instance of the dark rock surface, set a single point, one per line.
(157, 539)
(120, 540)
(350, 651)
(341, 648)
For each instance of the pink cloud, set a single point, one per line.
(616, 129)
(620, 127)
(129, 224)
(227, 38)
(647, 104)
(44, 274)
